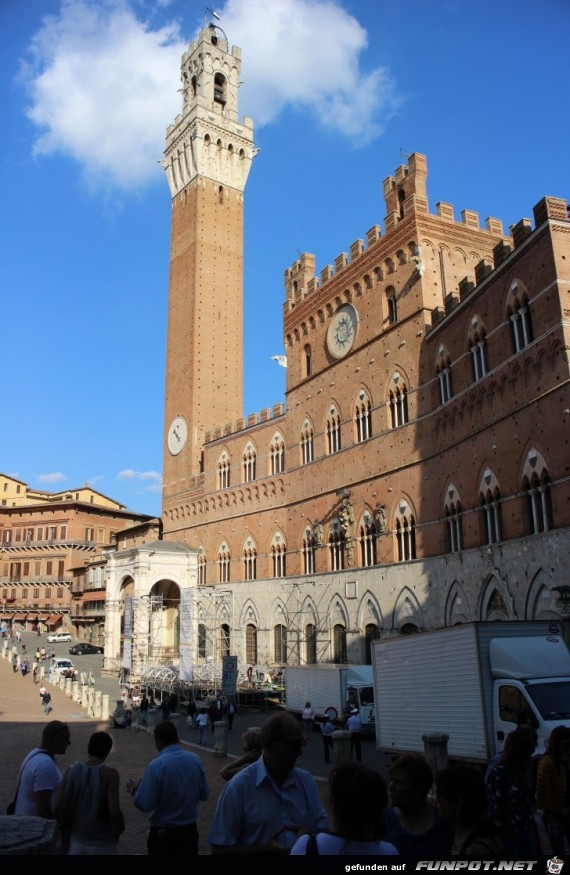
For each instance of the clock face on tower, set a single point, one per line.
(342, 331)
(177, 434)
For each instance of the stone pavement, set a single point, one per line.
(21, 723)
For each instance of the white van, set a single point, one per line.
(62, 665)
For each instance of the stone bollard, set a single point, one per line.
(435, 751)
(75, 694)
(97, 705)
(91, 702)
(341, 745)
(69, 687)
(152, 719)
(61, 681)
(106, 706)
(220, 738)
(84, 697)
(136, 718)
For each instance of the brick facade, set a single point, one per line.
(417, 474)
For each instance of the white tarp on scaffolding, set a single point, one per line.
(186, 635)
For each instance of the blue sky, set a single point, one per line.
(338, 91)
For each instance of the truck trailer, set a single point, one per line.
(474, 682)
(331, 689)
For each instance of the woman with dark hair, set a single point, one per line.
(510, 793)
(462, 800)
(553, 788)
(413, 823)
(87, 806)
(357, 801)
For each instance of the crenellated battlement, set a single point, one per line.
(405, 195)
(244, 423)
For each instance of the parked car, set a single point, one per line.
(84, 647)
(58, 637)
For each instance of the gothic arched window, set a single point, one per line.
(363, 417)
(333, 431)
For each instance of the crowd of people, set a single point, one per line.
(270, 806)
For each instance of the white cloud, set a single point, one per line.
(307, 53)
(55, 477)
(103, 88)
(154, 478)
(103, 83)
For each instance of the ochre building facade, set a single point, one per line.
(43, 537)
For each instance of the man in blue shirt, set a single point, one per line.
(171, 787)
(268, 805)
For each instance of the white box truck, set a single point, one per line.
(471, 682)
(329, 688)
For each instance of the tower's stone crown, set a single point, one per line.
(207, 138)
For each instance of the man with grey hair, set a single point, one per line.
(265, 807)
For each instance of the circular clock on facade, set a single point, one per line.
(342, 331)
(177, 434)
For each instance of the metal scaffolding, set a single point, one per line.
(308, 635)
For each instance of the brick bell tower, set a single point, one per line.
(207, 160)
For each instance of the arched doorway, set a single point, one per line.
(164, 621)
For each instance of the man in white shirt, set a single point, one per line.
(265, 807)
(39, 775)
(354, 726)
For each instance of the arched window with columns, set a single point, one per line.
(367, 539)
(453, 520)
(333, 431)
(249, 463)
(201, 567)
(398, 401)
(519, 315)
(277, 454)
(309, 549)
(224, 468)
(443, 371)
(249, 560)
(278, 554)
(536, 485)
(337, 547)
(306, 443)
(363, 417)
(490, 503)
(405, 526)
(224, 563)
(478, 348)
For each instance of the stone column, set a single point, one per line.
(220, 738)
(341, 745)
(435, 751)
(152, 719)
(135, 718)
(105, 706)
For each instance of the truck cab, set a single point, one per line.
(531, 685)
